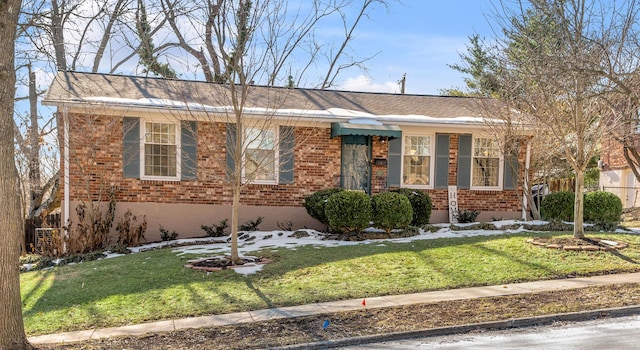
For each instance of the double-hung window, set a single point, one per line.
(260, 155)
(160, 150)
(417, 159)
(486, 164)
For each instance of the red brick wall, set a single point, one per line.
(612, 154)
(96, 166)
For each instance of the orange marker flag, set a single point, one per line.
(364, 302)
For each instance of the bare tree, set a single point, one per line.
(286, 33)
(12, 335)
(71, 35)
(546, 79)
(620, 74)
(252, 136)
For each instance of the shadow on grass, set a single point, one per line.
(618, 254)
(259, 293)
(155, 273)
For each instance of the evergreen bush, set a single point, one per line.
(391, 210)
(420, 203)
(558, 206)
(602, 208)
(315, 204)
(348, 211)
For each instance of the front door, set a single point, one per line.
(356, 163)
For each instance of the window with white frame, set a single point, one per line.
(160, 150)
(416, 160)
(260, 154)
(485, 168)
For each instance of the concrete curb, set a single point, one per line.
(491, 326)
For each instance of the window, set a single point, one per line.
(416, 160)
(485, 168)
(160, 150)
(260, 155)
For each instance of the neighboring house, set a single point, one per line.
(162, 147)
(616, 175)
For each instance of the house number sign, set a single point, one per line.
(453, 204)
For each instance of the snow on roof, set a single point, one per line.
(352, 116)
(117, 91)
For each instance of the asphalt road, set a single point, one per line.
(621, 333)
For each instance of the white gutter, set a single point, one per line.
(65, 217)
(527, 164)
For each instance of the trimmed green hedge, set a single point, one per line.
(602, 207)
(315, 204)
(420, 203)
(348, 211)
(599, 207)
(391, 210)
(558, 206)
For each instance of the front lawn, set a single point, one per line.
(154, 285)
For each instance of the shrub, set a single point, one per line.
(391, 210)
(602, 208)
(315, 204)
(420, 203)
(558, 206)
(348, 211)
(251, 225)
(466, 216)
(91, 231)
(216, 230)
(165, 235)
(130, 232)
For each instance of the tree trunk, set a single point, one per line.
(235, 211)
(578, 210)
(12, 334)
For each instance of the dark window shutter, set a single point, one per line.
(189, 144)
(510, 172)
(287, 146)
(442, 161)
(231, 146)
(394, 167)
(131, 147)
(464, 161)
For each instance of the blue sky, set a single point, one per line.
(419, 38)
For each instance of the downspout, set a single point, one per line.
(525, 187)
(65, 141)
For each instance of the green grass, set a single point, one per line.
(154, 285)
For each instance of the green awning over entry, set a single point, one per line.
(339, 129)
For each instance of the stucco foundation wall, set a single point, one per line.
(186, 219)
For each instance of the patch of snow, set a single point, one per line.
(248, 270)
(364, 121)
(329, 114)
(109, 255)
(275, 240)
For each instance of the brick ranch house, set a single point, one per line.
(161, 147)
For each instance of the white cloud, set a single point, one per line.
(362, 83)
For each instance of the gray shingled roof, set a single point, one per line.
(78, 88)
